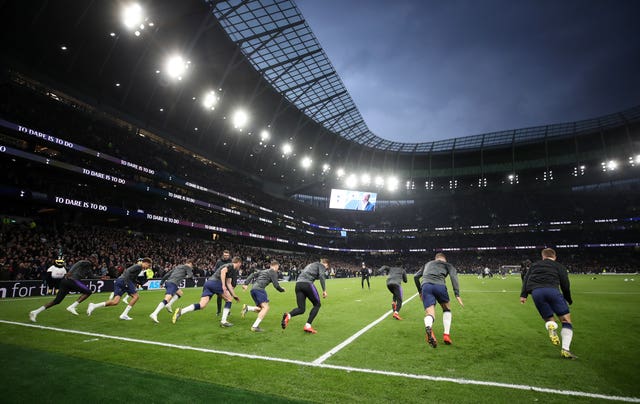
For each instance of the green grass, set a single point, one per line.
(495, 339)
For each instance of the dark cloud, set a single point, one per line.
(424, 70)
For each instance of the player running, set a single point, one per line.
(55, 273)
(542, 281)
(171, 282)
(395, 277)
(430, 281)
(225, 259)
(126, 283)
(305, 289)
(261, 279)
(218, 284)
(71, 283)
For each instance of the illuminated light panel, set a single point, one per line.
(240, 119)
(132, 15)
(210, 100)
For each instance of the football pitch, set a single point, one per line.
(500, 349)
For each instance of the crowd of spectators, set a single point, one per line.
(30, 249)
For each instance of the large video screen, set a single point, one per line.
(353, 200)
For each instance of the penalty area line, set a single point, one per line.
(337, 367)
(352, 338)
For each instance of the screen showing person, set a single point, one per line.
(353, 200)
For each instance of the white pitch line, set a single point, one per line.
(352, 338)
(342, 368)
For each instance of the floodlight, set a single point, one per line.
(287, 149)
(306, 162)
(210, 100)
(340, 172)
(392, 183)
(240, 119)
(132, 15)
(638, 159)
(326, 167)
(365, 179)
(612, 165)
(176, 67)
(379, 181)
(352, 181)
(265, 135)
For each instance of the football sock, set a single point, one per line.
(173, 299)
(225, 313)
(253, 308)
(190, 307)
(160, 306)
(98, 305)
(74, 305)
(40, 310)
(446, 321)
(256, 323)
(567, 335)
(126, 311)
(428, 321)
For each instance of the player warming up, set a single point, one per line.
(71, 283)
(260, 281)
(396, 276)
(126, 283)
(225, 259)
(430, 281)
(305, 289)
(171, 281)
(218, 284)
(542, 281)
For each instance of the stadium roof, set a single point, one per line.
(274, 36)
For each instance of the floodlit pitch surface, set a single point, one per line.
(500, 349)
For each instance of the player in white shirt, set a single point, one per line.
(55, 273)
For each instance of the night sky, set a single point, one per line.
(429, 70)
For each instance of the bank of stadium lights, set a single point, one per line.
(286, 149)
(610, 165)
(240, 119)
(579, 171)
(392, 183)
(326, 168)
(210, 100)
(379, 181)
(365, 179)
(134, 19)
(513, 179)
(351, 181)
(306, 162)
(634, 161)
(482, 182)
(176, 67)
(264, 135)
(340, 172)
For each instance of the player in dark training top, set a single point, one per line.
(396, 276)
(126, 283)
(218, 284)
(72, 283)
(172, 282)
(260, 281)
(225, 259)
(542, 281)
(430, 283)
(305, 289)
(365, 275)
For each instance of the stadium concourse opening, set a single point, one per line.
(185, 134)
